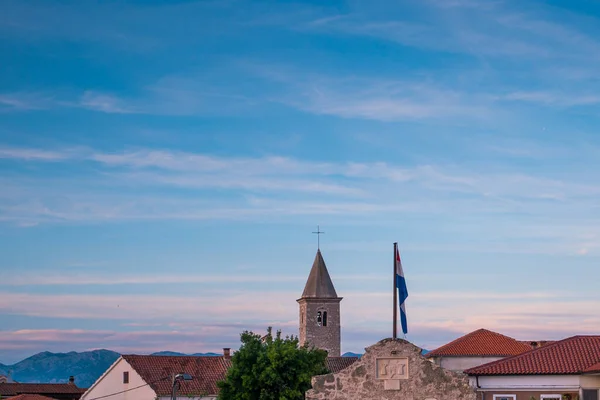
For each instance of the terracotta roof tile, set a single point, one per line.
(13, 388)
(336, 364)
(537, 343)
(574, 355)
(593, 368)
(206, 371)
(481, 343)
(158, 371)
(30, 397)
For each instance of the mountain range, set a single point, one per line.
(86, 366)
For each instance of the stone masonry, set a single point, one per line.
(319, 306)
(326, 337)
(392, 369)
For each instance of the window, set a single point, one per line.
(319, 318)
(505, 397)
(550, 397)
(126, 377)
(324, 318)
(590, 394)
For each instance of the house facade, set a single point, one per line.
(30, 397)
(141, 377)
(57, 391)
(568, 369)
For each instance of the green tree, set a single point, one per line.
(271, 369)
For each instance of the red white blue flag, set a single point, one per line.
(402, 291)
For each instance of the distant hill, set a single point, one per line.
(48, 367)
(86, 367)
(174, 353)
(350, 354)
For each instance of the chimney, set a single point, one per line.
(226, 353)
(72, 380)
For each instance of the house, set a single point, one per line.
(140, 377)
(567, 369)
(57, 391)
(30, 397)
(476, 348)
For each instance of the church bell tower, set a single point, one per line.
(320, 310)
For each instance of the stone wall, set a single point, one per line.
(323, 337)
(392, 369)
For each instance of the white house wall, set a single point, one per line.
(112, 382)
(590, 381)
(462, 363)
(190, 398)
(527, 382)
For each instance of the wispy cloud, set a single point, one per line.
(388, 101)
(89, 279)
(112, 279)
(487, 41)
(415, 98)
(31, 154)
(495, 29)
(281, 187)
(25, 101)
(104, 103)
(557, 99)
(172, 324)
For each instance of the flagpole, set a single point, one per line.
(395, 327)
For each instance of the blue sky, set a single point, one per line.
(163, 164)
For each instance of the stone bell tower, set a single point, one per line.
(320, 310)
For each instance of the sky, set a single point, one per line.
(163, 165)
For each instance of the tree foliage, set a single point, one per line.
(271, 369)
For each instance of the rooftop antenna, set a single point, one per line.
(318, 233)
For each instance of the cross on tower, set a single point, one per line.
(318, 232)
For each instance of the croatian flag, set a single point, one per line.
(402, 291)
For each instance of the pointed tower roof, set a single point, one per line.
(319, 284)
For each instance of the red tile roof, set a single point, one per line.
(481, 343)
(157, 371)
(206, 371)
(537, 343)
(336, 364)
(574, 355)
(13, 388)
(593, 368)
(30, 397)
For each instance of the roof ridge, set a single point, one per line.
(517, 356)
(173, 356)
(587, 336)
(543, 349)
(468, 336)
